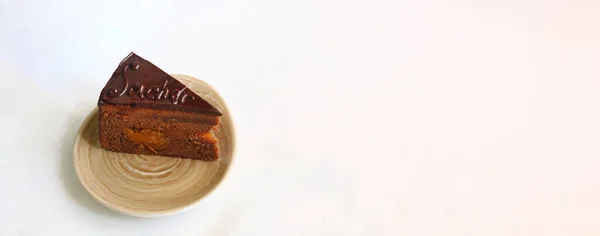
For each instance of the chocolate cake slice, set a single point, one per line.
(144, 110)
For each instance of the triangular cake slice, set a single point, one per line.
(143, 110)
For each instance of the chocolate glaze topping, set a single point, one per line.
(137, 82)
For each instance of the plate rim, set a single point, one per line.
(170, 211)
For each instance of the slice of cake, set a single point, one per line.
(144, 110)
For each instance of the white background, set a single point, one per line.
(354, 117)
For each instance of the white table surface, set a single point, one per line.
(354, 117)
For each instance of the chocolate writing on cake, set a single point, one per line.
(154, 93)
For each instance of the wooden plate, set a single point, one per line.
(150, 186)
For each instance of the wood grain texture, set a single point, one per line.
(149, 186)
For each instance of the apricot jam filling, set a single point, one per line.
(151, 139)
